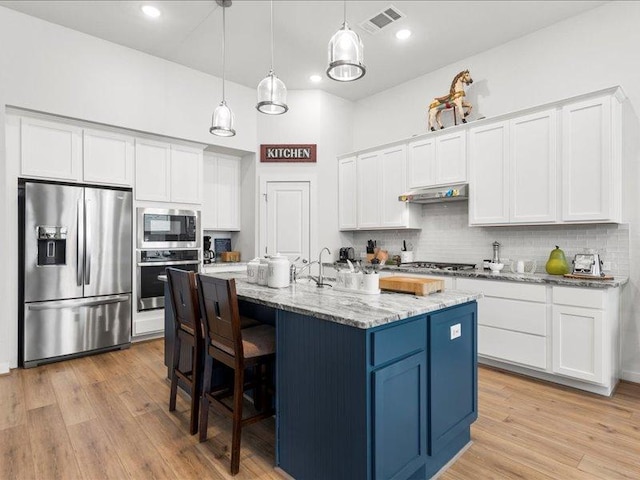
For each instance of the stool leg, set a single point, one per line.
(195, 389)
(204, 400)
(237, 420)
(174, 378)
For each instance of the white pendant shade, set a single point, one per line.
(346, 56)
(272, 95)
(222, 121)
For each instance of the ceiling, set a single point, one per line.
(189, 33)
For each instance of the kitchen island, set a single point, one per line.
(369, 386)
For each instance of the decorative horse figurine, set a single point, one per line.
(454, 100)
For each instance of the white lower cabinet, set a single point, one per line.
(586, 334)
(512, 321)
(567, 335)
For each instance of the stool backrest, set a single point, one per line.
(184, 300)
(220, 313)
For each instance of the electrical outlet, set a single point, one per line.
(456, 330)
(606, 266)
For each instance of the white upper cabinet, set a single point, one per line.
(380, 178)
(451, 158)
(347, 200)
(186, 174)
(221, 193)
(533, 168)
(50, 149)
(368, 190)
(422, 163)
(168, 173)
(513, 171)
(391, 185)
(153, 171)
(108, 158)
(437, 160)
(489, 174)
(591, 161)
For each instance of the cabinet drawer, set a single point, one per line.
(579, 297)
(525, 317)
(509, 346)
(511, 290)
(396, 341)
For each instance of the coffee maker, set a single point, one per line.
(207, 253)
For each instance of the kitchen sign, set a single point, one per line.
(298, 153)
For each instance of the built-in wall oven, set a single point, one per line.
(151, 264)
(164, 228)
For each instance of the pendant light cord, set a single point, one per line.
(272, 35)
(345, 12)
(224, 56)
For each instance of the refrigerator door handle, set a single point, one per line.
(88, 217)
(80, 244)
(82, 302)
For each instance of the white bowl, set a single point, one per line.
(496, 267)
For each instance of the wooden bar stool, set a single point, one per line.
(226, 342)
(188, 333)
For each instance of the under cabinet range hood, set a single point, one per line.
(448, 193)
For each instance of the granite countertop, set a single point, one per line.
(352, 309)
(506, 275)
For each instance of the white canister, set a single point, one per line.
(263, 271)
(353, 280)
(252, 270)
(278, 271)
(341, 276)
(370, 282)
(406, 256)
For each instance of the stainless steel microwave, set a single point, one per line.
(164, 228)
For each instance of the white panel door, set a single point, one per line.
(369, 186)
(347, 197)
(153, 171)
(421, 170)
(532, 141)
(186, 174)
(587, 161)
(489, 179)
(228, 194)
(288, 213)
(50, 150)
(578, 343)
(108, 158)
(393, 183)
(451, 154)
(209, 192)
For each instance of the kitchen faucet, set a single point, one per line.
(295, 272)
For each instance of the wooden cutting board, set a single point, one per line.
(587, 277)
(415, 286)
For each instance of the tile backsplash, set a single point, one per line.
(446, 236)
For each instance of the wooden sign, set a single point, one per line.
(302, 153)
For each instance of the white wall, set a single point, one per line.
(594, 50)
(326, 120)
(53, 69)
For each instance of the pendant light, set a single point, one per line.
(272, 93)
(346, 54)
(222, 119)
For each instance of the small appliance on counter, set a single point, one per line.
(208, 254)
(347, 253)
(587, 264)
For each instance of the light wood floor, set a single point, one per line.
(106, 416)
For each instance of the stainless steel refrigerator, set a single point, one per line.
(76, 270)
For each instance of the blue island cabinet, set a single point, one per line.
(391, 402)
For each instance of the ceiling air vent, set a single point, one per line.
(381, 20)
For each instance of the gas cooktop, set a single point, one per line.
(440, 265)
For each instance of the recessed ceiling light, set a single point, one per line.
(315, 78)
(150, 11)
(403, 34)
